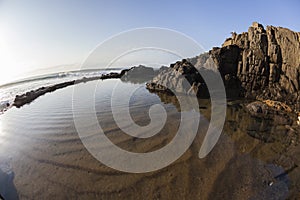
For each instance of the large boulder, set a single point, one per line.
(180, 78)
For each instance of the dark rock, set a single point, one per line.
(264, 110)
(226, 59)
(181, 77)
(259, 64)
(258, 109)
(139, 74)
(265, 62)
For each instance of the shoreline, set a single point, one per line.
(30, 96)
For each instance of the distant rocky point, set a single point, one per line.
(258, 64)
(138, 74)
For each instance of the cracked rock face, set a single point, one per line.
(261, 63)
(266, 62)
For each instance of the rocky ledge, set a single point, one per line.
(28, 97)
(258, 64)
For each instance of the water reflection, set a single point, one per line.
(7, 186)
(238, 119)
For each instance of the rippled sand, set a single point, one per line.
(50, 162)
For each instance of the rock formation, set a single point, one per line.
(259, 64)
(138, 74)
(265, 62)
(180, 77)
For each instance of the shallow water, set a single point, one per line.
(41, 146)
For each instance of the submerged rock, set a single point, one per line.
(273, 110)
(269, 123)
(257, 108)
(277, 105)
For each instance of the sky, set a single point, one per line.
(56, 35)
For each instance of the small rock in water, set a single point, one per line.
(4, 106)
(271, 183)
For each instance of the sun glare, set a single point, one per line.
(10, 68)
(9, 71)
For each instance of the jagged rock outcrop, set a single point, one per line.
(266, 63)
(259, 64)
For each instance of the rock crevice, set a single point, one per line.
(268, 63)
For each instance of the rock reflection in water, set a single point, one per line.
(249, 134)
(275, 128)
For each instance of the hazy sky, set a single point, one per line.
(58, 33)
